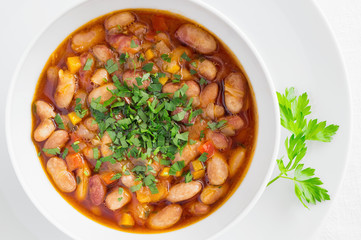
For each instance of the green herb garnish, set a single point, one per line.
(166, 57)
(293, 110)
(52, 151)
(59, 121)
(88, 64)
(185, 57)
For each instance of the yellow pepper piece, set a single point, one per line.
(165, 172)
(73, 64)
(149, 54)
(74, 118)
(126, 220)
(163, 80)
(186, 75)
(172, 67)
(198, 174)
(197, 165)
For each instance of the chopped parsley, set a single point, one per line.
(166, 57)
(202, 82)
(59, 121)
(52, 151)
(116, 177)
(216, 125)
(188, 177)
(203, 157)
(176, 167)
(65, 153)
(148, 67)
(133, 44)
(78, 109)
(185, 57)
(111, 66)
(75, 146)
(192, 71)
(88, 64)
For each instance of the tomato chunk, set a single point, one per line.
(74, 161)
(208, 148)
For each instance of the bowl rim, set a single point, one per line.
(228, 22)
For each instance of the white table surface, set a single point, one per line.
(344, 16)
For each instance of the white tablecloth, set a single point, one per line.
(343, 222)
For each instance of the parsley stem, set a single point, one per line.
(273, 180)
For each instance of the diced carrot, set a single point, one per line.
(74, 161)
(198, 174)
(197, 165)
(107, 177)
(126, 220)
(159, 23)
(165, 172)
(149, 54)
(208, 148)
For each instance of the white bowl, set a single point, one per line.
(30, 172)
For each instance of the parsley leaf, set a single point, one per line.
(188, 177)
(59, 121)
(148, 67)
(202, 82)
(52, 151)
(88, 64)
(176, 167)
(135, 187)
(166, 57)
(216, 125)
(293, 112)
(111, 66)
(203, 157)
(185, 57)
(133, 44)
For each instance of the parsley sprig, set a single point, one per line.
(293, 111)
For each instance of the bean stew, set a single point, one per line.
(144, 121)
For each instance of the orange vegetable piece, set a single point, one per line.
(74, 161)
(208, 148)
(107, 177)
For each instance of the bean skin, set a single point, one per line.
(115, 201)
(209, 94)
(192, 91)
(91, 124)
(217, 169)
(189, 153)
(64, 179)
(102, 92)
(104, 147)
(102, 53)
(84, 40)
(44, 130)
(234, 123)
(120, 19)
(212, 194)
(100, 76)
(219, 141)
(234, 92)
(184, 191)
(196, 38)
(166, 217)
(130, 76)
(236, 160)
(198, 208)
(213, 111)
(44, 110)
(56, 140)
(206, 68)
(82, 188)
(65, 89)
